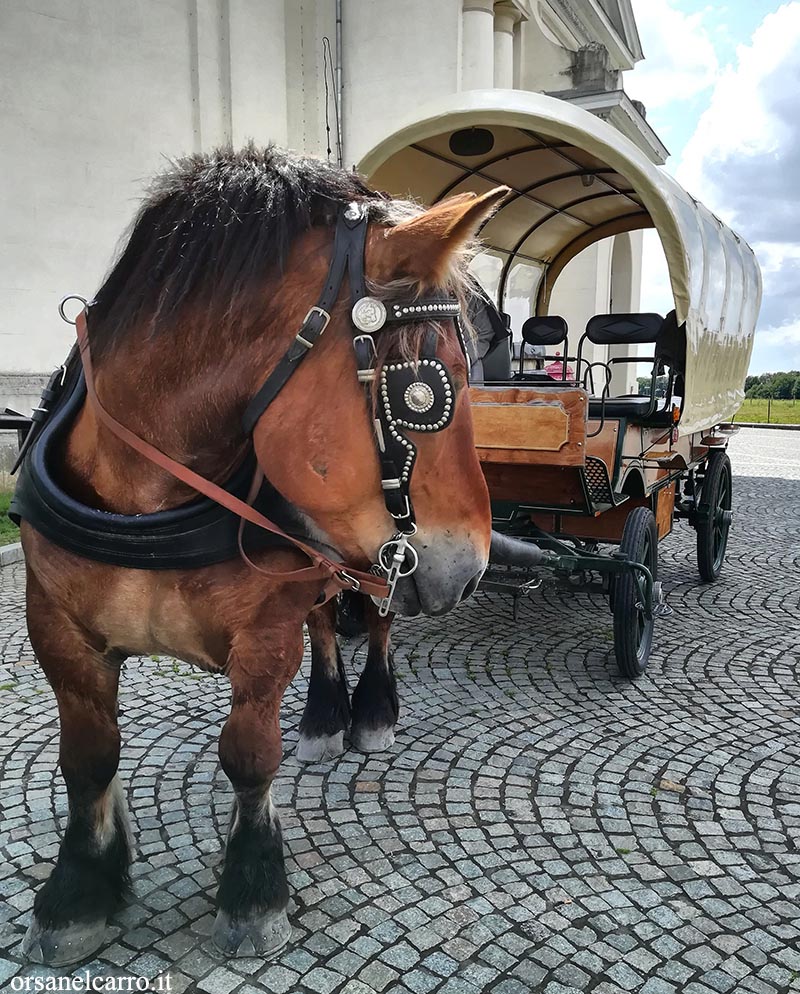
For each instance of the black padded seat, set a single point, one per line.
(540, 376)
(624, 329)
(551, 330)
(634, 407)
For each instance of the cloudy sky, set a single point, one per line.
(721, 83)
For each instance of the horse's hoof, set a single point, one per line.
(262, 935)
(319, 748)
(372, 739)
(72, 943)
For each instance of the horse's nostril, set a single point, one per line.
(472, 586)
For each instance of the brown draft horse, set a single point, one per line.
(223, 262)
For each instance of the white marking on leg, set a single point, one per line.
(111, 804)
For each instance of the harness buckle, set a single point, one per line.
(366, 356)
(405, 513)
(326, 320)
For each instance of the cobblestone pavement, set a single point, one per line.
(540, 824)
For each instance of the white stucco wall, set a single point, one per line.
(544, 64)
(582, 290)
(395, 61)
(93, 96)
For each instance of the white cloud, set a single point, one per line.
(680, 59)
(743, 161)
(777, 349)
(753, 115)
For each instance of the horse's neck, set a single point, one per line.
(194, 423)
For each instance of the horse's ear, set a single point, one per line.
(423, 246)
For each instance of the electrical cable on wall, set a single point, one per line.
(329, 76)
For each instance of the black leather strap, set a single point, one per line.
(41, 413)
(347, 259)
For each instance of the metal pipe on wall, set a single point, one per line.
(339, 116)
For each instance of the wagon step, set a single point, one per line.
(660, 607)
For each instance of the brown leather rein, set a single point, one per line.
(337, 576)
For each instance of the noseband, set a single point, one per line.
(412, 396)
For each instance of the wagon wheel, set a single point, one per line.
(714, 518)
(633, 632)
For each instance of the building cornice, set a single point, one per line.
(587, 22)
(522, 7)
(617, 108)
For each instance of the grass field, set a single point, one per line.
(8, 530)
(781, 412)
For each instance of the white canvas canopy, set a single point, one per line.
(576, 180)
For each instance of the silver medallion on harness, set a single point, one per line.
(369, 314)
(419, 397)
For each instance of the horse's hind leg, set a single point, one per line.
(375, 703)
(253, 892)
(327, 712)
(91, 873)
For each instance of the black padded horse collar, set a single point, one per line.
(414, 396)
(198, 533)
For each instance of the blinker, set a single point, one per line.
(417, 396)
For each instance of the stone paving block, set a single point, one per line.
(219, 981)
(421, 981)
(378, 975)
(321, 980)
(278, 980)
(655, 985)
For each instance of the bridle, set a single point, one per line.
(416, 396)
(412, 396)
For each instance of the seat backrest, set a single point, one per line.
(671, 344)
(544, 331)
(497, 361)
(623, 329)
(489, 325)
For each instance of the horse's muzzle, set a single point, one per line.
(449, 571)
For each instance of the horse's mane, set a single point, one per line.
(212, 227)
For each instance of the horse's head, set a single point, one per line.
(317, 440)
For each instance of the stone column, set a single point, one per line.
(477, 55)
(505, 18)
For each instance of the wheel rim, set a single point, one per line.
(720, 522)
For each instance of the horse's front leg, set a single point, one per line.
(375, 702)
(326, 717)
(91, 873)
(253, 892)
